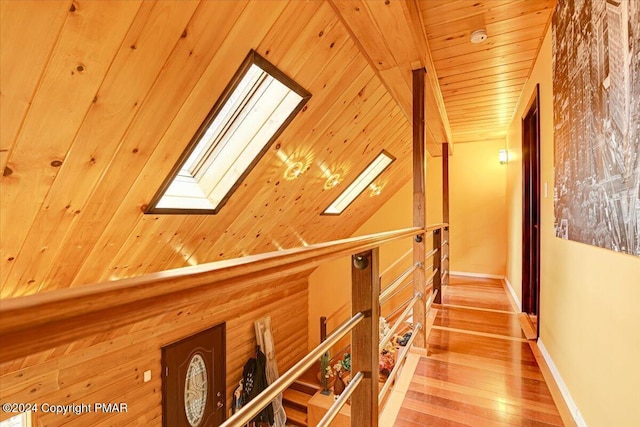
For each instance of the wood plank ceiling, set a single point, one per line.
(99, 99)
(481, 83)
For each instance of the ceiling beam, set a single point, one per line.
(391, 37)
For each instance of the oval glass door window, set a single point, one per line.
(195, 390)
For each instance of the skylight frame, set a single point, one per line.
(355, 181)
(252, 58)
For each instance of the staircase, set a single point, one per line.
(296, 398)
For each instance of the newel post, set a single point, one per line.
(419, 202)
(365, 291)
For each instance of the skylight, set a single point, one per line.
(360, 184)
(257, 105)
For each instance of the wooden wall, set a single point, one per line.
(109, 367)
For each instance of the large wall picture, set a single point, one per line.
(596, 112)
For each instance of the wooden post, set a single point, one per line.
(445, 211)
(437, 265)
(419, 204)
(323, 328)
(365, 290)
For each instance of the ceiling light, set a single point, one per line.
(332, 181)
(478, 36)
(376, 189)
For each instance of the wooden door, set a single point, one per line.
(531, 209)
(193, 383)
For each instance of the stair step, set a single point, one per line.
(295, 416)
(296, 397)
(305, 386)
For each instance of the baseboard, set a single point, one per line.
(480, 275)
(516, 300)
(571, 404)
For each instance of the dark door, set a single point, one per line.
(193, 386)
(531, 210)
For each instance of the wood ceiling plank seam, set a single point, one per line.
(168, 154)
(242, 227)
(186, 65)
(148, 236)
(457, 10)
(171, 264)
(493, 45)
(506, 59)
(319, 222)
(461, 42)
(488, 54)
(391, 23)
(20, 74)
(497, 18)
(333, 40)
(495, 78)
(513, 88)
(486, 102)
(320, 25)
(89, 148)
(357, 20)
(362, 73)
(514, 82)
(56, 85)
(496, 93)
(364, 82)
(433, 93)
(305, 213)
(491, 71)
(296, 15)
(355, 17)
(308, 211)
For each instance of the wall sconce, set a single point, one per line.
(503, 156)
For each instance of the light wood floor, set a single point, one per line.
(480, 369)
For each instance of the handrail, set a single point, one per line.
(399, 361)
(386, 294)
(433, 275)
(66, 315)
(399, 321)
(432, 298)
(253, 407)
(341, 401)
(396, 262)
(431, 253)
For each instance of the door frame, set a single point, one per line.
(531, 208)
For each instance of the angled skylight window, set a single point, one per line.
(257, 105)
(360, 184)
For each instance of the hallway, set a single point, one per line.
(480, 369)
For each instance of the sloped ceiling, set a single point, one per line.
(99, 99)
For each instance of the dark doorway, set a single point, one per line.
(193, 384)
(531, 210)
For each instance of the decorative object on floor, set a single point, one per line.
(325, 373)
(403, 340)
(596, 87)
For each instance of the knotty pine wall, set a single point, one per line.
(110, 367)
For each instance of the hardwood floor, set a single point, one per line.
(480, 370)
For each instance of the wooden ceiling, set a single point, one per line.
(481, 83)
(99, 99)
